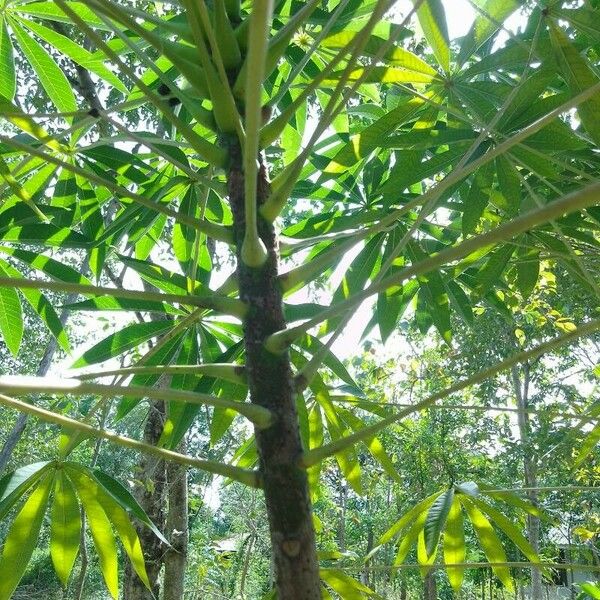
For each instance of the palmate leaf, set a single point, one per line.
(42, 306)
(50, 75)
(65, 527)
(11, 317)
(100, 528)
(7, 66)
(441, 516)
(106, 503)
(125, 339)
(432, 19)
(90, 491)
(22, 537)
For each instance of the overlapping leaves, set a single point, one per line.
(62, 490)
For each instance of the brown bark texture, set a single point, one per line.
(285, 484)
(150, 493)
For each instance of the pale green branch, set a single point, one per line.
(229, 306)
(230, 372)
(17, 385)
(588, 196)
(244, 476)
(316, 455)
(254, 253)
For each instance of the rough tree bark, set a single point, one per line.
(176, 530)
(430, 587)
(521, 390)
(150, 493)
(285, 484)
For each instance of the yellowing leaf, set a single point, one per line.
(454, 545)
(22, 538)
(65, 528)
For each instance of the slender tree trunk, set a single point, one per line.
(285, 484)
(430, 587)
(342, 519)
(19, 427)
(521, 389)
(177, 530)
(403, 590)
(150, 493)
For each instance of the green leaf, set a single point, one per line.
(127, 338)
(460, 302)
(432, 19)
(509, 528)
(375, 447)
(124, 497)
(489, 540)
(591, 589)
(493, 13)
(100, 527)
(579, 77)
(396, 55)
(22, 537)
(52, 12)
(75, 52)
(51, 77)
(347, 460)
(11, 317)
(408, 539)
(370, 138)
(490, 274)
(454, 545)
(588, 445)
(433, 292)
(45, 264)
(43, 307)
(528, 271)
(408, 518)
(125, 530)
(8, 81)
(46, 234)
(347, 587)
(13, 485)
(65, 527)
(514, 500)
(436, 519)
(477, 199)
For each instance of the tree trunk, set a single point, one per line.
(285, 484)
(521, 389)
(177, 530)
(342, 519)
(150, 493)
(19, 427)
(430, 587)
